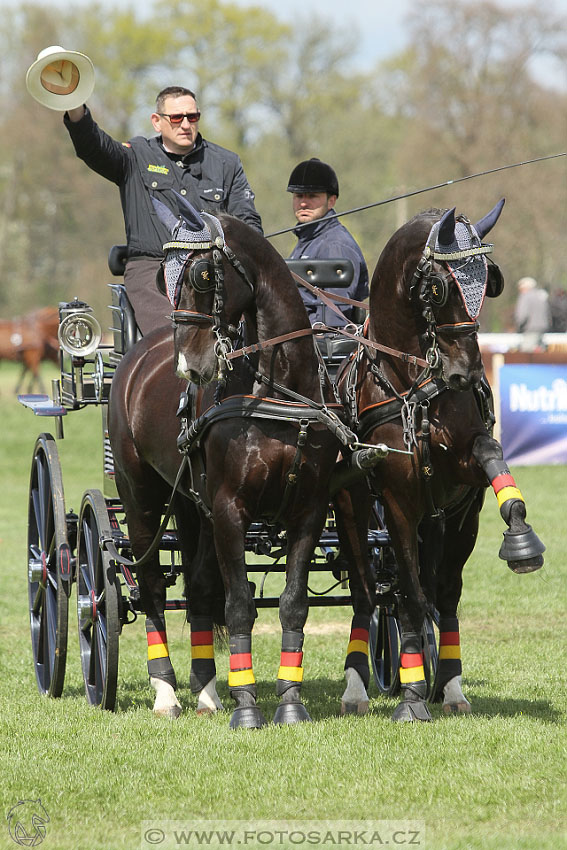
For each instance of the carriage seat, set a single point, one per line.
(330, 274)
(124, 328)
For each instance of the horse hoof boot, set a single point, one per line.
(409, 712)
(522, 550)
(247, 717)
(291, 712)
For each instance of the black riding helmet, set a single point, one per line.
(312, 175)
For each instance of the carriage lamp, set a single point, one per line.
(79, 332)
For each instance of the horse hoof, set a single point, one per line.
(247, 717)
(171, 712)
(457, 707)
(529, 566)
(409, 712)
(291, 712)
(523, 551)
(354, 708)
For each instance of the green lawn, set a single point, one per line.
(494, 780)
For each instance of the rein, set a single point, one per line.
(326, 299)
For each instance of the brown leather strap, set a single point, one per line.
(376, 346)
(326, 298)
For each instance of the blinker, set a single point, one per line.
(437, 291)
(201, 276)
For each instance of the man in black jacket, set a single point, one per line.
(178, 160)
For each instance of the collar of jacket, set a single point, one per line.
(199, 143)
(307, 232)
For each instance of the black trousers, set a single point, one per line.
(151, 308)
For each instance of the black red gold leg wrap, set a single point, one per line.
(412, 673)
(290, 673)
(504, 486)
(241, 675)
(202, 653)
(357, 650)
(449, 664)
(159, 663)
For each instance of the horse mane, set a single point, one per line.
(277, 293)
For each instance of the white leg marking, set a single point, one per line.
(166, 703)
(209, 701)
(454, 701)
(355, 699)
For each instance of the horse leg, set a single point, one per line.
(143, 518)
(412, 607)
(202, 592)
(230, 525)
(459, 538)
(352, 526)
(20, 380)
(521, 548)
(293, 610)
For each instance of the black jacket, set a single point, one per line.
(211, 178)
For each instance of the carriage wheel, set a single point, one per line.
(98, 592)
(430, 644)
(384, 647)
(49, 568)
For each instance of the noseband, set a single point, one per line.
(201, 280)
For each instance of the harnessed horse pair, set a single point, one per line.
(264, 446)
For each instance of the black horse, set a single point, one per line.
(420, 388)
(265, 454)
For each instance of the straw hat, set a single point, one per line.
(60, 79)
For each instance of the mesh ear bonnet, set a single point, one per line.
(464, 254)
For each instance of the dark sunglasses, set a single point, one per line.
(177, 117)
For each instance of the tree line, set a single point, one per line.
(462, 97)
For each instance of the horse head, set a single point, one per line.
(208, 287)
(447, 291)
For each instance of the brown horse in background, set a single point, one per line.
(30, 339)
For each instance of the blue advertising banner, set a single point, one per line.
(533, 413)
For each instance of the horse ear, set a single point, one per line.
(446, 234)
(165, 215)
(495, 281)
(486, 224)
(189, 213)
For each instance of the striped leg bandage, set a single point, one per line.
(412, 673)
(203, 667)
(290, 673)
(357, 650)
(159, 663)
(241, 674)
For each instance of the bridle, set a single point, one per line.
(205, 275)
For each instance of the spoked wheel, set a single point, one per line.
(384, 647)
(49, 568)
(98, 592)
(430, 643)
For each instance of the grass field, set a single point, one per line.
(494, 780)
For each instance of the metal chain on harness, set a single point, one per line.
(223, 343)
